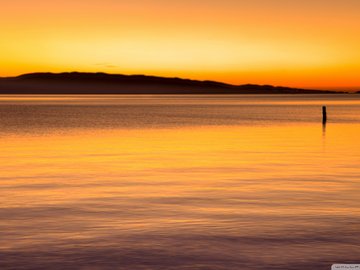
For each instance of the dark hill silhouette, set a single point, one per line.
(102, 83)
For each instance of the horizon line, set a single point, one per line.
(345, 89)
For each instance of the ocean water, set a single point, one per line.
(179, 182)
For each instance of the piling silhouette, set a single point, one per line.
(324, 114)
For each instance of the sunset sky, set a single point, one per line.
(308, 43)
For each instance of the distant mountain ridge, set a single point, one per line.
(103, 83)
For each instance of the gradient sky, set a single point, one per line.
(308, 43)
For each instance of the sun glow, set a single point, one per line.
(283, 42)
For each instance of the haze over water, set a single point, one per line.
(179, 182)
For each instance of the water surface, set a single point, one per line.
(179, 182)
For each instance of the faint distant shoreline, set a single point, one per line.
(102, 83)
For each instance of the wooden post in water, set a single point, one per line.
(324, 113)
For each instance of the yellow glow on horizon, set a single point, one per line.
(282, 43)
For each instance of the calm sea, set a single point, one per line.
(179, 182)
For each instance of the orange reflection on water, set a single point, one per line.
(191, 156)
(254, 184)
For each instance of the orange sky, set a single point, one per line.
(308, 43)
